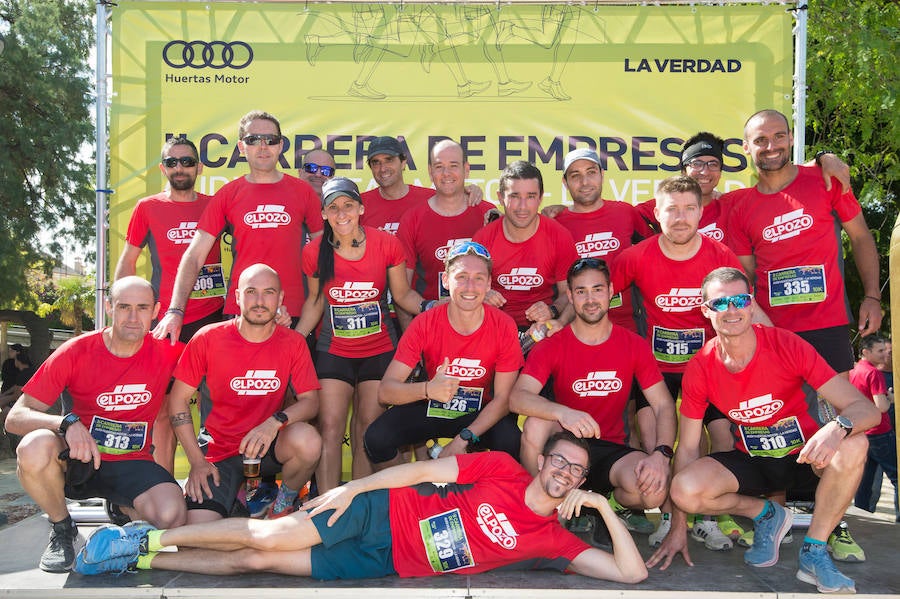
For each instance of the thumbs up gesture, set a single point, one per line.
(442, 387)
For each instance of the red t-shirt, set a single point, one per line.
(712, 221)
(353, 321)
(385, 214)
(527, 272)
(474, 358)
(605, 233)
(794, 236)
(266, 221)
(478, 523)
(117, 399)
(595, 378)
(870, 382)
(427, 236)
(671, 290)
(766, 399)
(247, 381)
(166, 228)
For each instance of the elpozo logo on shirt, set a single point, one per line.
(465, 369)
(496, 526)
(256, 382)
(599, 383)
(125, 397)
(597, 244)
(267, 216)
(756, 409)
(354, 291)
(521, 279)
(787, 225)
(679, 299)
(183, 233)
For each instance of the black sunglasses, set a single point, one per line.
(270, 139)
(185, 161)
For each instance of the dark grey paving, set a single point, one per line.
(714, 573)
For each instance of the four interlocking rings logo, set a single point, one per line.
(198, 54)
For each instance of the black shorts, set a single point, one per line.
(833, 344)
(352, 370)
(120, 482)
(673, 384)
(759, 476)
(231, 477)
(189, 329)
(603, 455)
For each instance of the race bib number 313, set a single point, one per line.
(114, 437)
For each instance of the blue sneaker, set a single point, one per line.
(817, 568)
(260, 499)
(117, 565)
(109, 542)
(137, 530)
(768, 532)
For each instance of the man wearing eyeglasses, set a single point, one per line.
(318, 167)
(165, 223)
(471, 356)
(755, 376)
(463, 515)
(592, 364)
(266, 211)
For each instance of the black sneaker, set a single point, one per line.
(115, 514)
(600, 536)
(60, 552)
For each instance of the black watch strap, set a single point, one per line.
(281, 417)
(67, 421)
(819, 155)
(666, 450)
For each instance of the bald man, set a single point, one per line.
(117, 378)
(318, 167)
(249, 364)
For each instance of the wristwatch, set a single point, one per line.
(819, 155)
(281, 417)
(67, 421)
(468, 436)
(666, 450)
(845, 423)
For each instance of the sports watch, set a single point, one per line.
(845, 423)
(281, 417)
(468, 436)
(67, 421)
(666, 450)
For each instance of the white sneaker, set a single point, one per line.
(656, 537)
(708, 533)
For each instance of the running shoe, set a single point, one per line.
(665, 525)
(60, 551)
(817, 568)
(109, 542)
(634, 520)
(581, 524)
(770, 529)
(116, 565)
(708, 533)
(729, 527)
(842, 546)
(259, 500)
(746, 539)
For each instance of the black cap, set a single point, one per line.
(384, 145)
(339, 187)
(17, 347)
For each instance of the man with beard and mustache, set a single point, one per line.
(592, 363)
(165, 223)
(250, 364)
(461, 515)
(784, 231)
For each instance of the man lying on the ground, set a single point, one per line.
(490, 513)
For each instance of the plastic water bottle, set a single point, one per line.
(534, 334)
(434, 452)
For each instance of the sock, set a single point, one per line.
(144, 561)
(765, 511)
(812, 541)
(153, 542)
(285, 498)
(615, 505)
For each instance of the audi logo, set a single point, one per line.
(198, 54)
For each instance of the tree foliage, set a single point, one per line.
(45, 122)
(853, 79)
(74, 301)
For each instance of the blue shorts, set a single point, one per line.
(359, 544)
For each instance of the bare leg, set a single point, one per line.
(365, 411)
(837, 486)
(707, 487)
(334, 404)
(162, 506)
(623, 478)
(290, 533)
(298, 448)
(210, 561)
(42, 474)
